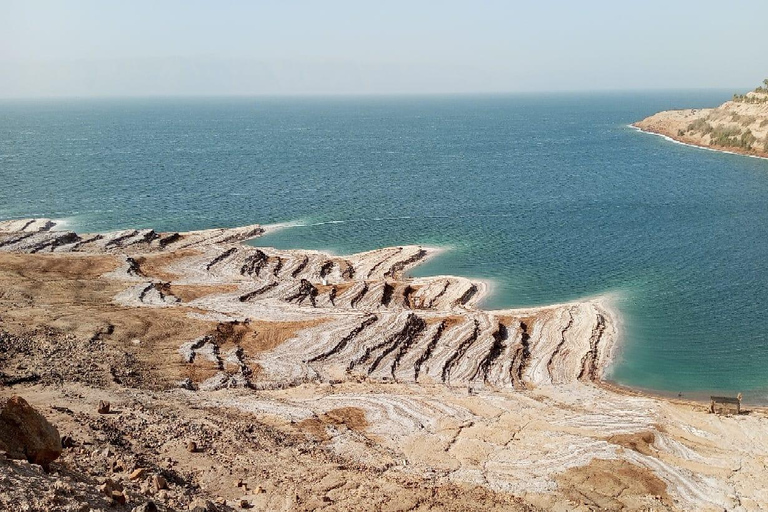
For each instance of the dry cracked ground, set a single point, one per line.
(252, 378)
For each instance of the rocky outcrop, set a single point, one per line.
(378, 324)
(40, 235)
(26, 434)
(736, 126)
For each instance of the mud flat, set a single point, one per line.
(335, 382)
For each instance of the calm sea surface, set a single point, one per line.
(552, 197)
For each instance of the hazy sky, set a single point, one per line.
(138, 47)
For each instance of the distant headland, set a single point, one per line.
(738, 126)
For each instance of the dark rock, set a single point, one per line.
(26, 434)
(118, 497)
(146, 507)
(201, 505)
(159, 482)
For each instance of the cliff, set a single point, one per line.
(737, 126)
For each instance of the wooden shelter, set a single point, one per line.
(725, 404)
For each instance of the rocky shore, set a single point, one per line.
(190, 371)
(737, 126)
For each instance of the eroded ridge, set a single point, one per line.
(378, 324)
(386, 375)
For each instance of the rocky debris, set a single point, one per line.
(145, 507)
(26, 434)
(118, 497)
(202, 505)
(104, 407)
(159, 482)
(113, 490)
(61, 356)
(186, 384)
(138, 474)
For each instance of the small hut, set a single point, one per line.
(725, 404)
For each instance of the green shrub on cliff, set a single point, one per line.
(700, 126)
(759, 98)
(731, 137)
(748, 120)
(726, 136)
(747, 139)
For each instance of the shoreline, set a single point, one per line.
(386, 269)
(671, 138)
(486, 290)
(604, 301)
(347, 357)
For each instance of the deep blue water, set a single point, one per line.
(552, 197)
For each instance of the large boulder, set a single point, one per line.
(26, 434)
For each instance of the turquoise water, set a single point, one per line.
(552, 197)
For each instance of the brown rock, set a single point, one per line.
(118, 497)
(146, 507)
(62, 488)
(104, 407)
(112, 489)
(26, 434)
(191, 447)
(138, 474)
(159, 482)
(201, 505)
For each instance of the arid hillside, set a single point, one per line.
(739, 125)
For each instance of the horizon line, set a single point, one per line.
(526, 92)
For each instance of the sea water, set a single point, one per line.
(552, 198)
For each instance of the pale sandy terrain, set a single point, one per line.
(333, 382)
(732, 120)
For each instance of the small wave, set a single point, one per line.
(306, 224)
(65, 223)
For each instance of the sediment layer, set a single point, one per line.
(402, 379)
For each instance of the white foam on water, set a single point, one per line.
(670, 139)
